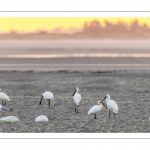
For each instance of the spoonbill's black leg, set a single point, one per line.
(49, 101)
(95, 116)
(75, 107)
(109, 113)
(41, 100)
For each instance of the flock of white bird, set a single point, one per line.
(111, 105)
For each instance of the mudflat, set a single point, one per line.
(131, 91)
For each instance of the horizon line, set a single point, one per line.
(77, 56)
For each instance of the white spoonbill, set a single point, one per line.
(4, 97)
(41, 118)
(10, 119)
(48, 96)
(4, 109)
(96, 108)
(111, 105)
(76, 98)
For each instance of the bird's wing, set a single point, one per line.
(9, 119)
(48, 95)
(41, 119)
(7, 98)
(112, 105)
(4, 96)
(94, 109)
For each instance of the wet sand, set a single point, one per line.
(131, 91)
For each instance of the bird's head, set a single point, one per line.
(107, 96)
(99, 102)
(76, 90)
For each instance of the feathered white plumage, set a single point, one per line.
(77, 99)
(10, 119)
(4, 109)
(41, 118)
(111, 105)
(48, 96)
(96, 108)
(4, 97)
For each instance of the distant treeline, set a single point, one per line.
(91, 30)
(118, 30)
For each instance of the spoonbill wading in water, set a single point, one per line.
(111, 105)
(48, 96)
(77, 99)
(96, 108)
(4, 97)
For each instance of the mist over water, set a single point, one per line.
(83, 55)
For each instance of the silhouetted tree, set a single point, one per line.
(92, 28)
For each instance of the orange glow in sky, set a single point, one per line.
(32, 24)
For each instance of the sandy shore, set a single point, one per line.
(130, 90)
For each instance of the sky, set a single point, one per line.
(31, 24)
